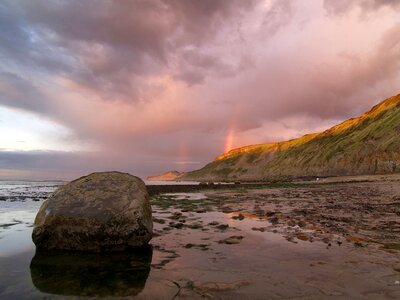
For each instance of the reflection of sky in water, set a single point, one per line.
(18, 211)
(16, 220)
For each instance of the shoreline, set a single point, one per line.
(299, 183)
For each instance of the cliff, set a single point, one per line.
(167, 176)
(367, 144)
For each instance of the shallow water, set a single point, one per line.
(198, 251)
(158, 182)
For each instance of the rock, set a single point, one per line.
(302, 224)
(231, 240)
(261, 229)
(396, 267)
(302, 236)
(107, 211)
(239, 217)
(274, 220)
(223, 227)
(222, 286)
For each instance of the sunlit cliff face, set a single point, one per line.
(157, 85)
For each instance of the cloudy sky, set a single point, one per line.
(156, 85)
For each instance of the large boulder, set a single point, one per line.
(107, 211)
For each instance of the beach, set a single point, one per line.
(332, 239)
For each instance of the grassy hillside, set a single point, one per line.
(368, 144)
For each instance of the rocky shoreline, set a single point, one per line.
(338, 237)
(361, 213)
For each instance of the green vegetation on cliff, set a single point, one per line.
(368, 144)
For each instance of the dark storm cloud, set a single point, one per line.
(21, 46)
(18, 92)
(106, 46)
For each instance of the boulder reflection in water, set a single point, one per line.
(91, 274)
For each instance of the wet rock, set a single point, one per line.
(358, 242)
(239, 217)
(195, 226)
(396, 267)
(302, 236)
(223, 227)
(392, 246)
(175, 216)
(326, 240)
(235, 239)
(203, 247)
(159, 221)
(261, 229)
(302, 224)
(274, 220)
(222, 286)
(177, 225)
(227, 210)
(290, 238)
(107, 211)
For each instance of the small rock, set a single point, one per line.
(223, 227)
(195, 226)
(274, 220)
(261, 229)
(396, 267)
(302, 224)
(302, 236)
(235, 239)
(326, 240)
(239, 217)
(177, 225)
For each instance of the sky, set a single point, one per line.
(148, 86)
